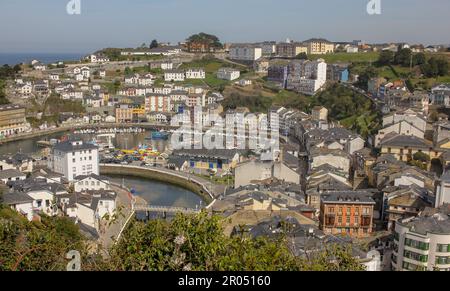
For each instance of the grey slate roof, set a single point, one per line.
(10, 174)
(361, 197)
(435, 221)
(68, 146)
(405, 141)
(12, 198)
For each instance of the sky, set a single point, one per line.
(44, 26)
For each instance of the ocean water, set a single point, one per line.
(46, 58)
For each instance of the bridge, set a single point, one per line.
(164, 209)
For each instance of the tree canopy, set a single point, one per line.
(198, 243)
(194, 242)
(209, 39)
(154, 44)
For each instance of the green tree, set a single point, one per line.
(403, 57)
(128, 71)
(421, 157)
(419, 59)
(386, 58)
(154, 44)
(198, 243)
(443, 67)
(302, 56)
(209, 39)
(364, 77)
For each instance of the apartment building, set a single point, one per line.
(290, 49)
(245, 52)
(74, 158)
(12, 120)
(422, 243)
(306, 77)
(347, 213)
(129, 113)
(156, 102)
(319, 46)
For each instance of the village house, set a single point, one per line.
(228, 74)
(91, 182)
(174, 76)
(404, 147)
(195, 74)
(251, 172)
(245, 52)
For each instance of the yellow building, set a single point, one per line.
(128, 113)
(320, 46)
(404, 147)
(12, 120)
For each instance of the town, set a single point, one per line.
(363, 132)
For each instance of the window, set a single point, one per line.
(356, 220)
(73, 160)
(417, 244)
(412, 267)
(415, 256)
(443, 248)
(442, 260)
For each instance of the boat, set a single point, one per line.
(159, 135)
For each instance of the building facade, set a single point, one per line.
(74, 158)
(12, 120)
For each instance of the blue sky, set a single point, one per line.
(44, 25)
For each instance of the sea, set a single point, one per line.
(46, 58)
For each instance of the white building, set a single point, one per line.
(307, 77)
(98, 58)
(245, 52)
(174, 76)
(54, 77)
(228, 74)
(423, 243)
(443, 190)
(86, 72)
(11, 175)
(91, 183)
(74, 158)
(195, 74)
(20, 202)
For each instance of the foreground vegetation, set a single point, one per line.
(187, 243)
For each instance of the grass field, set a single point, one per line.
(209, 65)
(348, 58)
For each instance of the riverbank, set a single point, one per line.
(204, 189)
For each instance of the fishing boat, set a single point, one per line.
(159, 135)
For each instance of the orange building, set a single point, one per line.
(347, 213)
